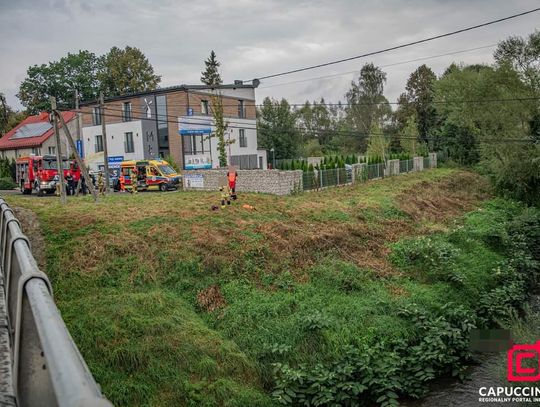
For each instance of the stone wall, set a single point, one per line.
(266, 181)
(285, 182)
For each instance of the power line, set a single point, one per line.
(381, 66)
(302, 129)
(474, 27)
(333, 131)
(247, 126)
(343, 104)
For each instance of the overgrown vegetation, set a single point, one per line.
(478, 115)
(313, 299)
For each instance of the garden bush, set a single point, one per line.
(7, 183)
(431, 257)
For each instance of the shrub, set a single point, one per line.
(433, 257)
(380, 373)
(173, 163)
(527, 224)
(7, 183)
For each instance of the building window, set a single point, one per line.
(36, 151)
(98, 146)
(241, 109)
(243, 140)
(162, 125)
(52, 150)
(96, 116)
(128, 143)
(204, 107)
(126, 112)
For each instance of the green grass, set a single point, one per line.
(127, 271)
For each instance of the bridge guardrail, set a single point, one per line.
(47, 368)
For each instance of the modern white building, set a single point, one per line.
(124, 140)
(175, 122)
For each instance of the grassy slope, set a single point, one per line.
(132, 278)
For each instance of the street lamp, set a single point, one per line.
(273, 158)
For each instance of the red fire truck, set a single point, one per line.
(39, 173)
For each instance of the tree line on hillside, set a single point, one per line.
(480, 115)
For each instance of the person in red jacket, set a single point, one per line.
(232, 175)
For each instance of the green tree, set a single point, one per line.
(320, 122)
(118, 72)
(461, 143)
(221, 127)
(276, 128)
(409, 141)
(9, 118)
(420, 96)
(491, 127)
(378, 143)
(523, 55)
(403, 111)
(126, 70)
(60, 79)
(211, 76)
(367, 105)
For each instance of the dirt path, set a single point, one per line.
(32, 229)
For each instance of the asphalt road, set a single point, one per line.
(5, 192)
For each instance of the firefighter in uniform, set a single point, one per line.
(133, 177)
(224, 196)
(100, 184)
(232, 175)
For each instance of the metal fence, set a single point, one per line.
(406, 166)
(326, 178)
(41, 365)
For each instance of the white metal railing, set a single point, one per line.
(46, 366)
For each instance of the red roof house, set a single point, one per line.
(34, 135)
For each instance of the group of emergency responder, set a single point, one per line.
(228, 191)
(73, 187)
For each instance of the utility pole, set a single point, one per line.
(59, 161)
(79, 124)
(80, 162)
(104, 135)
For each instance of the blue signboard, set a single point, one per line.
(188, 132)
(115, 161)
(79, 146)
(190, 111)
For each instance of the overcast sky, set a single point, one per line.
(254, 38)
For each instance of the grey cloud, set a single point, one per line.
(253, 38)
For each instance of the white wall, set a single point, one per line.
(231, 134)
(115, 142)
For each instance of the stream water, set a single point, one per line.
(489, 372)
